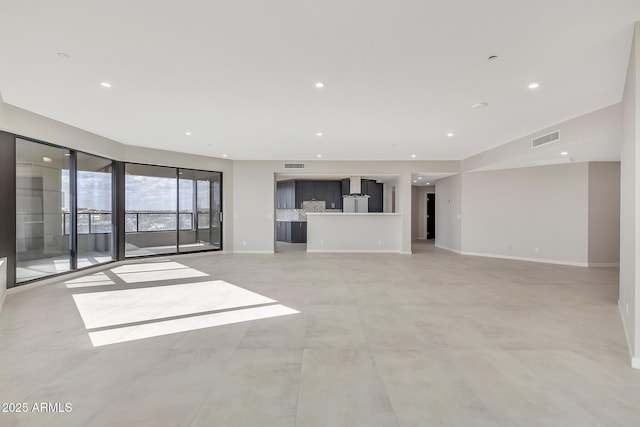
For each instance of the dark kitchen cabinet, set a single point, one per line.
(308, 188)
(291, 231)
(281, 231)
(298, 232)
(334, 194)
(346, 186)
(375, 193)
(293, 193)
(285, 195)
(314, 190)
(298, 196)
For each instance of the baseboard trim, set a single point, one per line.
(448, 249)
(516, 258)
(351, 251)
(254, 252)
(635, 362)
(604, 264)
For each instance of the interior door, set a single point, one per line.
(431, 215)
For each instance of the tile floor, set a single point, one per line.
(428, 339)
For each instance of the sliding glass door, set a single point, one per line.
(42, 205)
(151, 214)
(199, 210)
(94, 207)
(67, 208)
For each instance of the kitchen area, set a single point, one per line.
(347, 214)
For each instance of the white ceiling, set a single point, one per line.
(240, 75)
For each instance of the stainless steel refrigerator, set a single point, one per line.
(355, 204)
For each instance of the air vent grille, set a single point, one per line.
(294, 165)
(545, 139)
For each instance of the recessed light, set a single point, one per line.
(319, 85)
(415, 181)
(63, 55)
(224, 155)
(534, 85)
(480, 105)
(105, 84)
(319, 134)
(428, 183)
(564, 153)
(319, 155)
(47, 159)
(187, 133)
(419, 177)
(413, 156)
(450, 134)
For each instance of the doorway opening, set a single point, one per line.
(430, 220)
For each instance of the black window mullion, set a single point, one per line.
(177, 210)
(73, 210)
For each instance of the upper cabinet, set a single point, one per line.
(314, 191)
(285, 195)
(291, 194)
(346, 186)
(374, 190)
(334, 195)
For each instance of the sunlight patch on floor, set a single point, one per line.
(154, 271)
(97, 279)
(155, 329)
(130, 314)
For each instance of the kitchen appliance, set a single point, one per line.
(355, 203)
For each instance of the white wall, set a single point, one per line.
(604, 213)
(629, 297)
(511, 213)
(376, 232)
(253, 207)
(449, 213)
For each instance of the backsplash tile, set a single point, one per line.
(301, 214)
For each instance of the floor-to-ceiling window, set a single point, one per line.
(166, 207)
(94, 207)
(42, 203)
(199, 210)
(151, 214)
(66, 217)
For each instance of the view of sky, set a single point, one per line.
(142, 193)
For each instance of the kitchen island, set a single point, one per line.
(354, 232)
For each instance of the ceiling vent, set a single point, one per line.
(294, 165)
(545, 139)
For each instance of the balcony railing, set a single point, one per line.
(136, 222)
